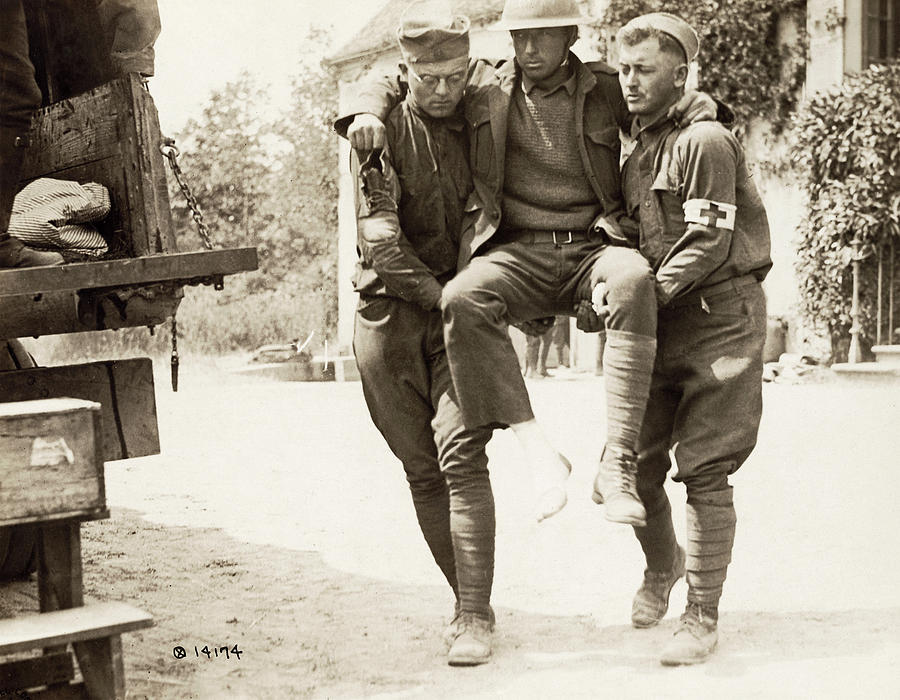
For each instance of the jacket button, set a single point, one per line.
(647, 203)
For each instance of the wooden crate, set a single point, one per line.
(100, 128)
(109, 135)
(123, 388)
(50, 461)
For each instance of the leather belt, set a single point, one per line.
(697, 295)
(557, 238)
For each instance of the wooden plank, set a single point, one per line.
(49, 458)
(36, 671)
(181, 267)
(81, 515)
(70, 691)
(68, 626)
(76, 131)
(51, 313)
(150, 174)
(60, 583)
(123, 388)
(102, 666)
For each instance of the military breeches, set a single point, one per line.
(706, 404)
(521, 281)
(406, 382)
(706, 394)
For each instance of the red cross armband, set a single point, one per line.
(709, 213)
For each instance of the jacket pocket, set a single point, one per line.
(482, 150)
(603, 149)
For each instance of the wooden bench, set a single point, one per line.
(94, 632)
(52, 477)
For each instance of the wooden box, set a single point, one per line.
(96, 127)
(123, 388)
(109, 135)
(50, 462)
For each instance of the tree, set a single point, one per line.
(228, 167)
(269, 179)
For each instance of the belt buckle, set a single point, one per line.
(569, 240)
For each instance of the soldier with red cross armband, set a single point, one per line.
(705, 232)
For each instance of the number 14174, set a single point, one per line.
(216, 652)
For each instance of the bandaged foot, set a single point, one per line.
(549, 469)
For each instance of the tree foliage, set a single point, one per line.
(847, 151)
(268, 178)
(741, 62)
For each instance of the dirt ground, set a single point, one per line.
(276, 521)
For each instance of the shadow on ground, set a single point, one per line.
(305, 629)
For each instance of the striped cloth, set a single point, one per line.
(56, 215)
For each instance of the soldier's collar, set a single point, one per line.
(455, 121)
(656, 125)
(569, 84)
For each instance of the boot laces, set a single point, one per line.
(696, 621)
(378, 198)
(473, 624)
(622, 472)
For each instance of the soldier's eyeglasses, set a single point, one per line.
(431, 82)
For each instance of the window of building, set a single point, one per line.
(882, 31)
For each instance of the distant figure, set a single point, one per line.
(537, 348)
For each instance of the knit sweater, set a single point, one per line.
(545, 185)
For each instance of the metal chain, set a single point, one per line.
(171, 152)
(174, 361)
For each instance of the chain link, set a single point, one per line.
(171, 153)
(175, 361)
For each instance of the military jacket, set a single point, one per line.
(701, 218)
(600, 112)
(408, 236)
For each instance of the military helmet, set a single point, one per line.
(535, 14)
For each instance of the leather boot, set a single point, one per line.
(651, 602)
(665, 563)
(472, 645)
(695, 639)
(615, 486)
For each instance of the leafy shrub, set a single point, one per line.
(846, 144)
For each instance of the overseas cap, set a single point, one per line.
(669, 24)
(537, 14)
(429, 32)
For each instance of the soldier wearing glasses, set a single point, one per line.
(412, 195)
